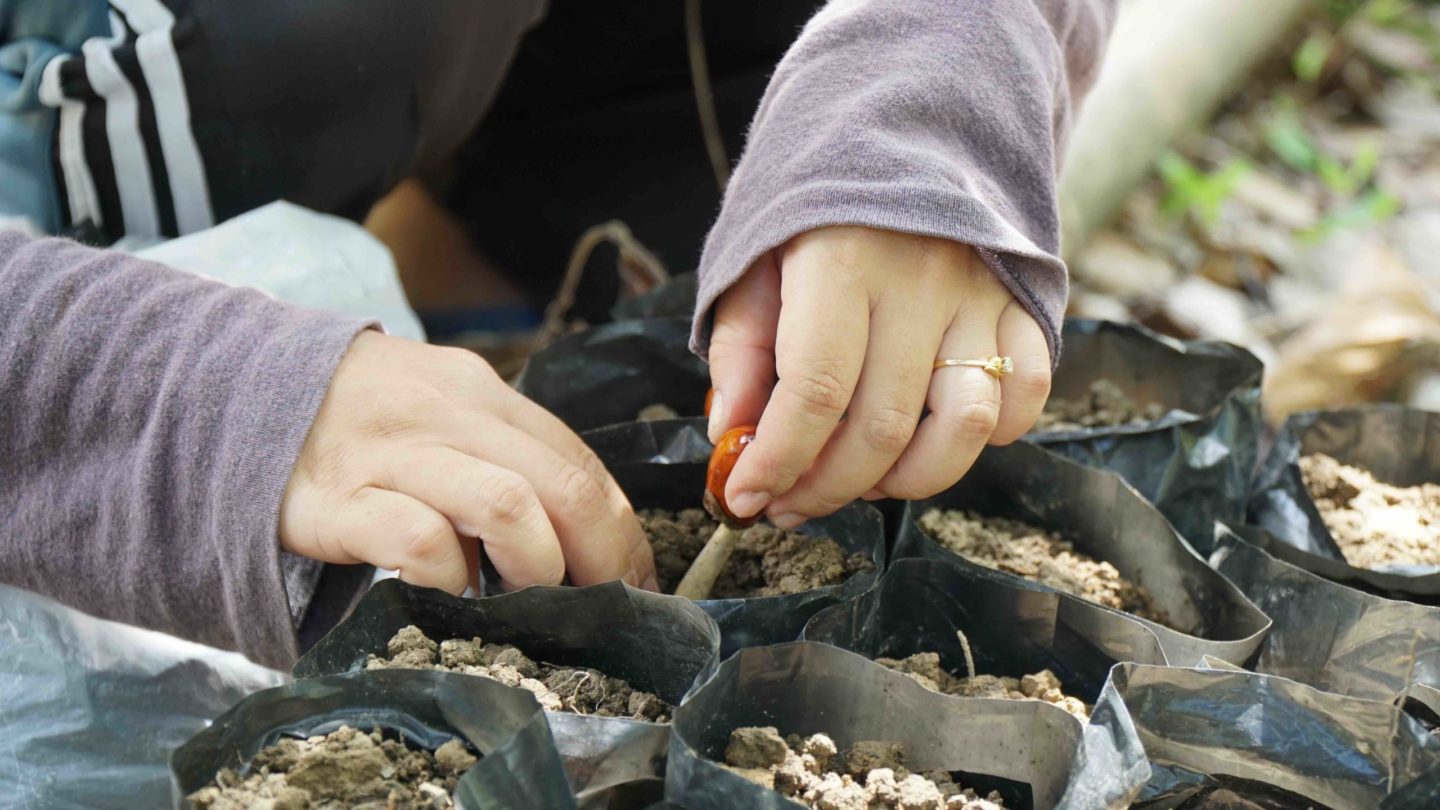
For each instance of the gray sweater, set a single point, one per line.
(149, 419)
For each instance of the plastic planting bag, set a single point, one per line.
(518, 765)
(660, 644)
(673, 299)
(1012, 629)
(1035, 754)
(1398, 445)
(91, 709)
(1107, 519)
(609, 374)
(661, 465)
(1194, 462)
(1332, 637)
(1252, 733)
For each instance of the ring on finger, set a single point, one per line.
(997, 366)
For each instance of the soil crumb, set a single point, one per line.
(656, 412)
(1375, 524)
(343, 769)
(559, 689)
(925, 669)
(1104, 405)
(1039, 556)
(766, 562)
(869, 774)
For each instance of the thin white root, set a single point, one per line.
(969, 659)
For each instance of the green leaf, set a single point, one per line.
(1310, 58)
(1287, 138)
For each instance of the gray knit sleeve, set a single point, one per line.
(942, 118)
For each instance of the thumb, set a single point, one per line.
(742, 347)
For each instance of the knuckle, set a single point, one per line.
(580, 493)
(466, 363)
(889, 430)
(975, 421)
(1032, 381)
(427, 537)
(508, 499)
(820, 390)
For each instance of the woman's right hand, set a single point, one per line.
(417, 450)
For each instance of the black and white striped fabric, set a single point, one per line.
(189, 112)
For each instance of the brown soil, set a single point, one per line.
(869, 774)
(1104, 405)
(925, 669)
(766, 560)
(559, 689)
(343, 769)
(1374, 523)
(1039, 556)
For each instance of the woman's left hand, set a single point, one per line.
(828, 343)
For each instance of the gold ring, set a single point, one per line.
(996, 367)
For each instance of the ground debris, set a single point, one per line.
(1105, 404)
(870, 773)
(559, 689)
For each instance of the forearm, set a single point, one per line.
(943, 119)
(150, 422)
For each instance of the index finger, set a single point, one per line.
(819, 349)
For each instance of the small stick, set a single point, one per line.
(969, 660)
(700, 579)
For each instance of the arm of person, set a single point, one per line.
(170, 447)
(895, 205)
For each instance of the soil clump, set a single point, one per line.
(1039, 556)
(924, 668)
(1103, 405)
(1375, 524)
(766, 562)
(559, 689)
(869, 774)
(343, 769)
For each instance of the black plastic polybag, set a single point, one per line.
(607, 374)
(918, 606)
(1399, 445)
(1330, 636)
(1194, 463)
(518, 767)
(673, 299)
(91, 709)
(661, 465)
(1107, 519)
(807, 688)
(1342, 752)
(660, 644)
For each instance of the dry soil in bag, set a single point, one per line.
(1344, 753)
(660, 644)
(661, 465)
(918, 606)
(518, 767)
(1107, 519)
(1035, 754)
(1196, 461)
(608, 374)
(1399, 445)
(1329, 636)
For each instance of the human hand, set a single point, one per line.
(417, 449)
(865, 315)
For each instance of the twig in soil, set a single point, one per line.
(969, 660)
(699, 581)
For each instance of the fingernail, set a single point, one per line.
(749, 503)
(717, 411)
(787, 520)
(652, 584)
